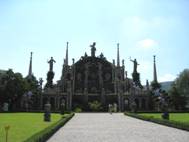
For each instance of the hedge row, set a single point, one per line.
(46, 133)
(170, 123)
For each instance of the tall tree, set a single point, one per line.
(13, 88)
(180, 90)
(182, 83)
(178, 102)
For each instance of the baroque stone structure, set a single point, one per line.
(95, 78)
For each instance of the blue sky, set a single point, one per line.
(142, 27)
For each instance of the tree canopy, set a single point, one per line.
(179, 92)
(13, 86)
(182, 83)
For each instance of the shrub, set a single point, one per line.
(77, 109)
(95, 106)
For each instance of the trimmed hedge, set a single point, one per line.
(170, 123)
(45, 134)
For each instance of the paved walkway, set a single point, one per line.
(104, 127)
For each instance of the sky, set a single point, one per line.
(143, 28)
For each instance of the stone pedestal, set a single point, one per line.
(47, 114)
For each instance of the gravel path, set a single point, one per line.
(104, 127)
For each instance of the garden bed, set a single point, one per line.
(177, 120)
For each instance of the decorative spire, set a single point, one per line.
(30, 66)
(118, 60)
(147, 85)
(67, 53)
(155, 72)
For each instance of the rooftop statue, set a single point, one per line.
(51, 61)
(135, 64)
(93, 49)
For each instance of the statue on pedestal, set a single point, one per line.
(135, 65)
(62, 107)
(47, 115)
(93, 49)
(50, 74)
(51, 62)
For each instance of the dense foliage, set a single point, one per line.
(155, 85)
(95, 106)
(179, 92)
(13, 86)
(182, 83)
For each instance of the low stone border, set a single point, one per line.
(45, 134)
(170, 123)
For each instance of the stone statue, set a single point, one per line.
(93, 49)
(50, 74)
(135, 65)
(85, 55)
(115, 107)
(73, 61)
(51, 61)
(62, 107)
(47, 114)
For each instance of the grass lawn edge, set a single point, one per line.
(46, 133)
(168, 123)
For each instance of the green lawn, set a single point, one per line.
(181, 117)
(23, 125)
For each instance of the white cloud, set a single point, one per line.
(147, 44)
(167, 77)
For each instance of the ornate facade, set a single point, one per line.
(95, 78)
